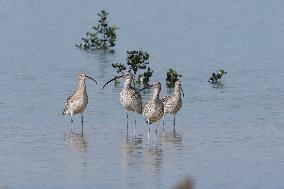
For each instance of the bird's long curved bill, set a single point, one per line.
(117, 77)
(92, 79)
(182, 92)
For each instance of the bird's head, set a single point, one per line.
(178, 86)
(156, 85)
(83, 76)
(178, 83)
(127, 75)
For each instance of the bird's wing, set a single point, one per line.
(133, 90)
(68, 102)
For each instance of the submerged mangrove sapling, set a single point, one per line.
(136, 60)
(172, 77)
(216, 76)
(103, 36)
(145, 77)
(119, 69)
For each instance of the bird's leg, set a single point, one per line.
(135, 126)
(163, 122)
(71, 120)
(82, 124)
(156, 132)
(127, 116)
(126, 124)
(148, 134)
(174, 120)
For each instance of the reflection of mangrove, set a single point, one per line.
(218, 85)
(172, 137)
(102, 59)
(77, 141)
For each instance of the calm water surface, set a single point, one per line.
(227, 136)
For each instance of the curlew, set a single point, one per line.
(77, 102)
(153, 110)
(172, 104)
(129, 99)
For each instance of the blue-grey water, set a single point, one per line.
(227, 136)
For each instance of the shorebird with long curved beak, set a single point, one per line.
(129, 99)
(172, 104)
(77, 102)
(153, 110)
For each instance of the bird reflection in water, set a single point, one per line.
(77, 141)
(153, 163)
(132, 149)
(79, 164)
(131, 159)
(172, 137)
(155, 156)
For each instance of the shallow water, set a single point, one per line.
(227, 136)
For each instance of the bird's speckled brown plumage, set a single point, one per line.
(172, 104)
(77, 102)
(130, 100)
(153, 110)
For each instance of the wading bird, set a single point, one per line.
(153, 110)
(172, 104)
(129, 99)
(77, 102)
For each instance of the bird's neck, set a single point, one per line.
(177, 91)
(156, 94)
(127, 83)
(82, 85)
